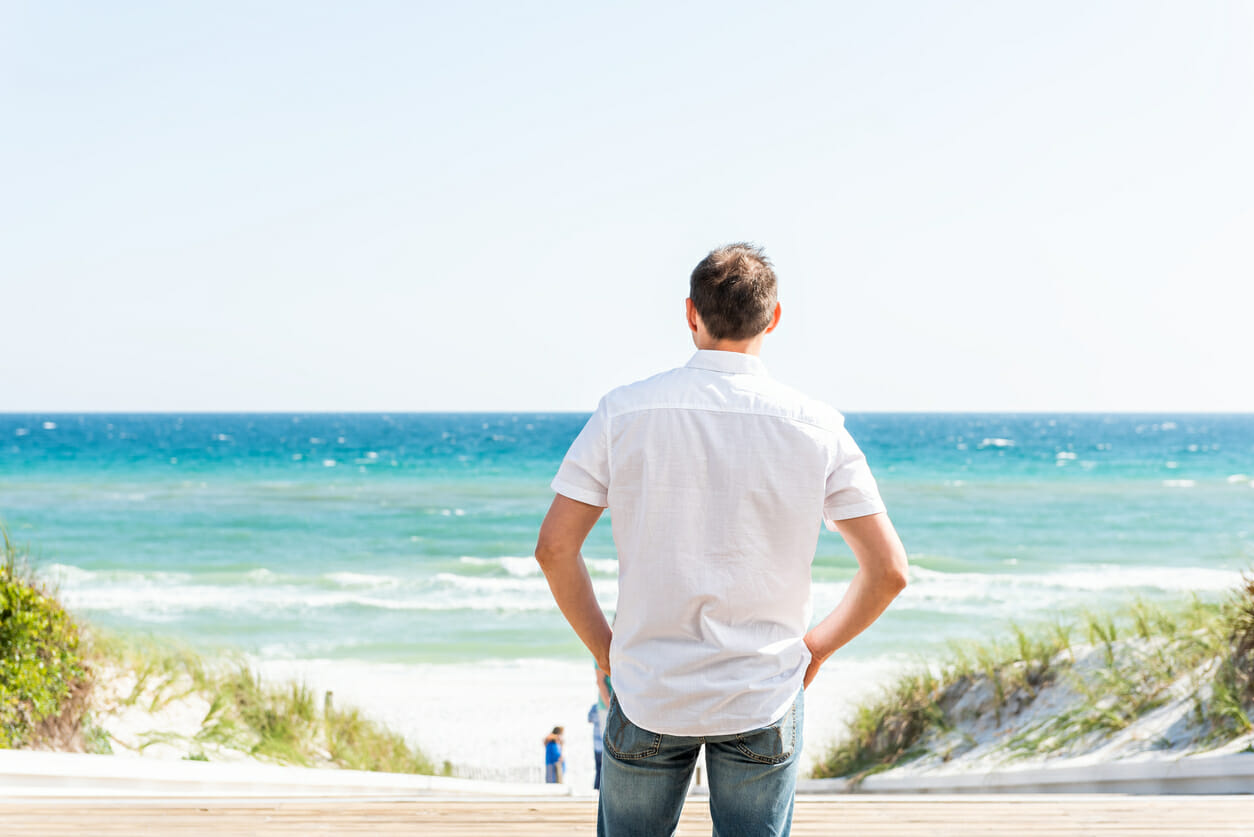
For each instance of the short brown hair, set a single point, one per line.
(733, 289)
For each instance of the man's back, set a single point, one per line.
(716, 477)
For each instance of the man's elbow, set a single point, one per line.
(545, 554)
(549, 554)
(895, 575)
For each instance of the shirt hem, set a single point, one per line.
(851, 511)
(581, 495)
(696, 732)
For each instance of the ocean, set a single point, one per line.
(406, 538)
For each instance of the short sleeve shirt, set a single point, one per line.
(716, 477)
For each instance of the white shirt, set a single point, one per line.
(716, 477)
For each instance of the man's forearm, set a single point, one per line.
(881, 576)
(558, 552)
(861, 605)
(572, 590)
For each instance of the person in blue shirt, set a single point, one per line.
(598, 741)
(554, 763)
(596, 717)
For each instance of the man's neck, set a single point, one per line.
(752, 346)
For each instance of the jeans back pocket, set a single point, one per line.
(774, 743)
(626, 741)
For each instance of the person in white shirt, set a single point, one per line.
(715, 476)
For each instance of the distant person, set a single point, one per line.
(596, 717)
(554, 762)
(598, 740)
(715, 476)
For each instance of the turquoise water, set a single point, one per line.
(406, 538)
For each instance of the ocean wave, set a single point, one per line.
(261, 595)
(170, 604)
(62, 574)
(161, 598)
(349, 579)
(491, 584)
(68, 575)
(514, 566)
(1094, 579)
(603, 566)
(528, 568)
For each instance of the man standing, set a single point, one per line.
(716, 476)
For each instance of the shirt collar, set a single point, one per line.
(731, 362)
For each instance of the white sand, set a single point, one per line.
(487, 719)
(155, 724)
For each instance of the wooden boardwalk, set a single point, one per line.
(857, 816)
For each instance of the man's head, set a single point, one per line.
(733, 291)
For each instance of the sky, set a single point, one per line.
(387, 206)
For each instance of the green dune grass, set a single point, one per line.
(48, 663)
(1133, 662)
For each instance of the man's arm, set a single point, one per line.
(562, 534)
(881, 576)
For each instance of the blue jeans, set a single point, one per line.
(752, 777)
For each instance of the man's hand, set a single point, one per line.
(562, 534)
(813, 668)
(881, 576)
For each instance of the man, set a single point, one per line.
(715, 476)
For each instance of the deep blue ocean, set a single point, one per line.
(407, 537)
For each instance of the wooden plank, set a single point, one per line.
(899, 816)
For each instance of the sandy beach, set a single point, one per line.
(486, 719)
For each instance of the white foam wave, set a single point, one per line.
(160, 597)
(347, 579)
(516, 567)
(997, 443)
(1033, 595)
(528, 568)
(604, 566)
(1179, 483)
(493, 585)
(936, 585)
(64, 574)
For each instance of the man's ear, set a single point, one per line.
(774, 319)
(693, 316)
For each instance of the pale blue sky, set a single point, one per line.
(422, 206)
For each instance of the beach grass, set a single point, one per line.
(284, 722)
(48, 664)
(43, 678)
(1129, 663)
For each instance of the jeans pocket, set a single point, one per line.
(774, 743)
(626, 741)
